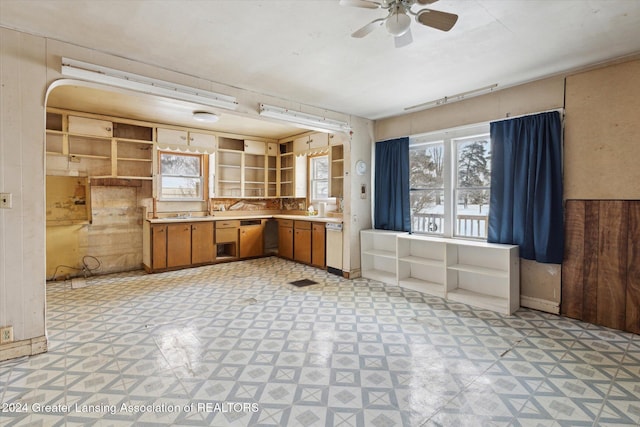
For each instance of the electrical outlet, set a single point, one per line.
(6, 335)
(5, 201)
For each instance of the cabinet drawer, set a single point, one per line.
(285, 223)
(302, 225)
(226, 235)
(228, 224)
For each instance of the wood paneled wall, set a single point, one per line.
(601, 269)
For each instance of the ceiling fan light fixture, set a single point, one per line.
(398, 23)
(205, 117)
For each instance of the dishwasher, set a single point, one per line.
(334, 247)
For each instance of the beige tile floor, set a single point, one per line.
(237, 345)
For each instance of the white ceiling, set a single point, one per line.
(301, 50)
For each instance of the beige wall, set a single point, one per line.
(22, 267)
(601, 142)
(602, 133)
(28, 65)
(539, 283)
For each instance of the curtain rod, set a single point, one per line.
(508, 117)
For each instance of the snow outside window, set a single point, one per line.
(450, 173)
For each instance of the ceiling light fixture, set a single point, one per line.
(454, 98)
(304, 120)
(122, 79)
(398, 22)
(205, 117)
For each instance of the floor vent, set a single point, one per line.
(303, 282)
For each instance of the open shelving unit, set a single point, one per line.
(337, 171)
(378, 253)
(479, 274)
(421, 264)
(287, 170)
(108, 150)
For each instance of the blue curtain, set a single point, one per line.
(391, 206)
(526, 186)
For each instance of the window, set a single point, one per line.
(449, 177)
(180, 177)
(319, 177)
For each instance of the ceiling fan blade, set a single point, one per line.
(403, 40)
(361, 3)
(436, 19)
(425, 2)
(368, 28)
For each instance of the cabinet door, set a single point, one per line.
(301, 144)
(202, 140)
(251, 241)
(202, 242)
(301, 176)
(86, 126)
(178, 245)
(319, 140)
(318, 244)
(302, 242)
(171, 136)
(285, 241)
(158, 246)
(254, 147)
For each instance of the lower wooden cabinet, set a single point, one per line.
(158, 247)
(285, 238)
(318, 244)
(175, 245)
(202, 248)
(178, 245)
(251, 238)
(302, 241)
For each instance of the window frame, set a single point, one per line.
(203, 182)
(450, 138)
(311, 179)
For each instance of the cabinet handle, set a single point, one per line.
(108, 129)
(183, 137)
(194, 228)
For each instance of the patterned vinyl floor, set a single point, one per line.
(237, 345)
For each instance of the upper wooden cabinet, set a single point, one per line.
(202, 140)
(171, 136)
(88, 126)
(311, 142)
(254, 147)
(185, 138)
(99, 148)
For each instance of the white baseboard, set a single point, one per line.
(21, 348)
(540, 304)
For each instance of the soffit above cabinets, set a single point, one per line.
(161, 110)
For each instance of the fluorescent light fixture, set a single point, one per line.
(205, 117)
(122, 79)
(304, 120)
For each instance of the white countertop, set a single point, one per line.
(227, 217)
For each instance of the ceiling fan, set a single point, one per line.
(398, 21)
